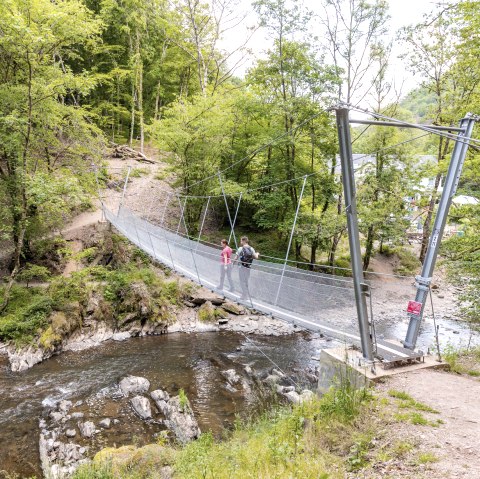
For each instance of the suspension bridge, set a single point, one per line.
(339, 307)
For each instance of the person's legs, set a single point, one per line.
(244, 277)
(230, 279)
(243, 281)
(247, 279)
(222, 277)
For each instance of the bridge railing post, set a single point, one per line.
(188, 244)
(167, 201)
(124, 191)
(290, 240)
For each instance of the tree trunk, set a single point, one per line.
(132, 118)
(337, 236)
(156, 115)
(428, 220)
(298, 250)
(313, 254)
(140, 91)
(368, 247)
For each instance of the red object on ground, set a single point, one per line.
(414, 307)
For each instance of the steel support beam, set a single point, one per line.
(348, 179)
(406, 125)
(450, 187)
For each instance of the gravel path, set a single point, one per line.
(455, 442)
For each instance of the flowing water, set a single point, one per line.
(193, 362)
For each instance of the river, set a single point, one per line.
(193, 362)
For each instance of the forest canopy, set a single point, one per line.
(78, 75)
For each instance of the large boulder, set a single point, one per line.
(202, 296)
(179, 417)
(87, 428)
(233, 308)
(134, 385)
(141, 405)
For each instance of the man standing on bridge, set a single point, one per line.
(246, 254)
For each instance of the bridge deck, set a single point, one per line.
(314, 301)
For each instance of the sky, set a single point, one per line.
(402, 12)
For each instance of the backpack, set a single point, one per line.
(246, 257)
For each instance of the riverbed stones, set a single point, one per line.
(141, 405)
(121, 336)
(105, 423)
(87, 428)
(232, 308)
(64, 406)
(134, 385)
(231, 376)
(202, 296)
(179, 417)
(59, 459)
(70, 433)
(56, 416)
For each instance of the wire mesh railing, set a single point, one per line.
(312, 300)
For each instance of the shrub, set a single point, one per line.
(68, 290)
(33, 272)
(409, 263)
(22, 324)
(345, 399)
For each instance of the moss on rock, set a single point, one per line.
(206, 312)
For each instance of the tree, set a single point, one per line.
(353, 28)
(42, 128)
(431, 47)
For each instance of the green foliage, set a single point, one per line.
(206, 313)
(64, 291)
(463, 361)
(416, 418)
(45, 134)
(345, 398)
(33, 272)
(358, 454)
(427, 458)
(408, 262)
(26, 315)
(406, 401)
(183, 401)
(462, 257)
(139, 172)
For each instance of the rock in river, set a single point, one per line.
(141, 406)
(87, 428)
(105, 423)
(134, 385)
(178, 414)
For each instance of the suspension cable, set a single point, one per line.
(413, 125)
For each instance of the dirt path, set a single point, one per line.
(455, 442)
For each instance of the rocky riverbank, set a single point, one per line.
(201, 311)
(72, 433)
(69, 434)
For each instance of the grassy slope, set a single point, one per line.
(128, 287)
